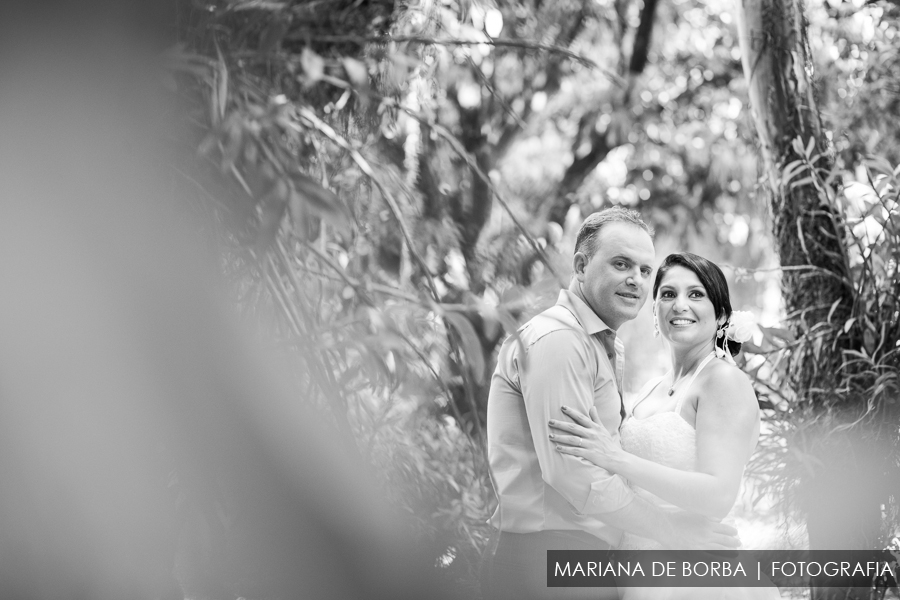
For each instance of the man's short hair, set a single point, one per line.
(586, 242)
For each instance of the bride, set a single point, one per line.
(690, 433)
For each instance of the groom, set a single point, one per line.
(570, 355)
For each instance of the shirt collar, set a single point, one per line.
(586, 316)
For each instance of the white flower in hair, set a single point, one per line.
(723, 354)
(741, 326)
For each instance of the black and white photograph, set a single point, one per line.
(388, 299)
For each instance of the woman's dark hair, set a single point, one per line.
(713, 280)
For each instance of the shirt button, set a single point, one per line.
(609, 355)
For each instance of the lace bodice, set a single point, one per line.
(664, 438)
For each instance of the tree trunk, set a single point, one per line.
(776, 62)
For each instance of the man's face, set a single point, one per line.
(615, 281)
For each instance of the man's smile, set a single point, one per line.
(629, 295)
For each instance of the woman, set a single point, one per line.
(690, 433)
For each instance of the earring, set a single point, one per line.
(722, 351)
(655, 326)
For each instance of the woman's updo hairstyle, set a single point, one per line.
(713, 280)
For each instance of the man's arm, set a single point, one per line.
(560, 368)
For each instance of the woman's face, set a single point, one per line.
(685, 314)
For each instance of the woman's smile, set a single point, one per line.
(681, 322)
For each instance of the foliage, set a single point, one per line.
(394, 184)
(853, 426)
(833, 448)
(436, 475)
(316, 229)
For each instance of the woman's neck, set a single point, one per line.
(687, 359)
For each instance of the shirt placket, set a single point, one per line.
(607, 339)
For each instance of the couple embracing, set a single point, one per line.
(573, 469)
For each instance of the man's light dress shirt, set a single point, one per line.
(564, 356)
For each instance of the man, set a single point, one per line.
(570, 355)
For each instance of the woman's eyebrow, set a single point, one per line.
(669, 286)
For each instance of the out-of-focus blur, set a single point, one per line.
(135, 418)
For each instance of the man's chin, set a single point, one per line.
(626, 314)
(630, 300)
(630, 308)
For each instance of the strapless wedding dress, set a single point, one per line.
(666, 438)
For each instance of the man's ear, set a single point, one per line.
(579, 262)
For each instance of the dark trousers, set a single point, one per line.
(517, 570)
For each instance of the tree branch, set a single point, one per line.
(416, 39)
(642, 38)
(576, 173)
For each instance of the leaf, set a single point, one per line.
(751, 348)
(220, 95)
(834, 306)
(471, 345)
(273, 206)
(791, 170)
(778, 333)
(879, 164)
(322, 202)
(357, 72)
(869, 341)
(799, 182)
(313, 65)
(882, 185)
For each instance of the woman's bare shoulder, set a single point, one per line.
(723, 382)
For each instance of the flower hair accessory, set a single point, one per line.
(739, 328)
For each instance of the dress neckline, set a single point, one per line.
(680, 394)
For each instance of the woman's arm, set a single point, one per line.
(727, 426)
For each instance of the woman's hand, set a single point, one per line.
(587, 438)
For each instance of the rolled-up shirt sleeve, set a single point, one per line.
(561, 370)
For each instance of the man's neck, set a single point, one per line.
(575, 288)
